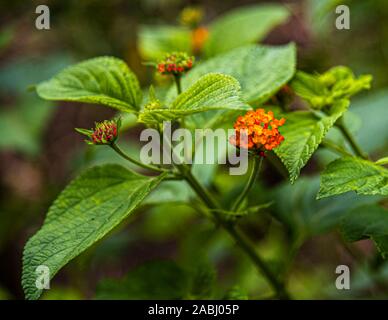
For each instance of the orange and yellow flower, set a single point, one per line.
(257, 131)
(198, 38)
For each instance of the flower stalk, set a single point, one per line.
(257, 163)
(235, 233)
(116, 148)
(244, 244)
(177, 79)
(349, 137)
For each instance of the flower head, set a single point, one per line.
(105, 132)
(191, 16)
(198, 38)
(257, 131)
(175, 63)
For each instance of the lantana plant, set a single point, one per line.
(249, 89)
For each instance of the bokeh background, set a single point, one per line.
(40, 153)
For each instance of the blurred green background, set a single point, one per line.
(163, 249)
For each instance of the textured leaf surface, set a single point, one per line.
(260, 70)
(353, 174)
(243, 26)
(210, 92)
(303, 132)
(367, 222)
(103, 80)
(91, 206)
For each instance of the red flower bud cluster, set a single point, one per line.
(175, 63)
(105, 132)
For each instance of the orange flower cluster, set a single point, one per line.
(198, 38)
(258, 131)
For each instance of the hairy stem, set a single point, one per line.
(349, 137)
(116, 148)
(255, 170)
(177, 78)
(330, 145)
(238, 237)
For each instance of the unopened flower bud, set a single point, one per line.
(191, 16)
(175, 63)
(105, 132)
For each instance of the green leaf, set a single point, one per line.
(310, 89)
(295, 205)
(324, 90)
(243, 26)
(103, 80)
(367, 222)
(153, 280)
(155, 41)
(353, 174)
(212, 91)
(303, 132)
(260, 70)
(90, 207)
(382, 161)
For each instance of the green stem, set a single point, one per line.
(328, 144)
(255, 170)
(356, 148)
(240, 240)
(177, 78)
(116, 148)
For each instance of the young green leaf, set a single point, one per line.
(367, 222)
(308, 87)
(324, 90)
(243, 26)
(353, 174)
(303, 132)
(90, 207)
(104, 80)
(211, 92)
(382, 161)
